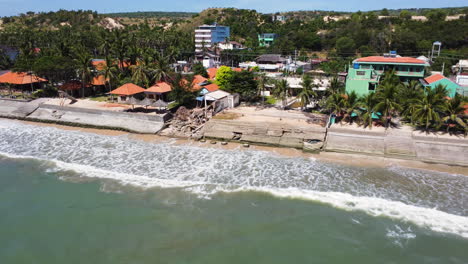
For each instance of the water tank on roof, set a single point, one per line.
(355, 65)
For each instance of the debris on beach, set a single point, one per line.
(188, 123)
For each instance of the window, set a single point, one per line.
(361, 73)
(371, 86)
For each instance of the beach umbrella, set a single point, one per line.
(133, 101)
(160, 103)
(146, 102)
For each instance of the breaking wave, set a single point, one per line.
(429, 199)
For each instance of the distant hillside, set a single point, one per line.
(153, 14)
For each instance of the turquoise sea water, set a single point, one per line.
(74, 197)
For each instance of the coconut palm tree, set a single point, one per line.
(306, 93)
(82, 59)
(387, 105)
(454, 112)
(336, 86)
(428, 108)
(140, 73)
(262, 81)
(336, 104)
(161, 68)
(109, 71)
(368, 105)
(281, 91)
(351, 106)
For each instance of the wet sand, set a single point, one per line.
(331, 157)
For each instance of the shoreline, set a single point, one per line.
(351, 159)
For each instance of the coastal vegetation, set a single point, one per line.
(64, 46)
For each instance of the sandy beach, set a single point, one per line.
(331, 157)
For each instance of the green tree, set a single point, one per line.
(336, 104)
(244, 84)
(109, 71)
(282, 91)
(82, 59)
(223, 76)
(428, 108)
(307, 93)
(368, 105)
(387, 105)
(182, 91)
(345, 47)
(454, 113)
(198, 69)
(351, 106)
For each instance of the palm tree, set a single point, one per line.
(387, 101)
(140, 73)
(351, 105)
(336, 104)
(108, 70)
(162, 69)
(306, 93)
(368, 105)
(335, 86)
(262, 81)
(83, 62)
(428, 108)
(454, 111)
(281, 91)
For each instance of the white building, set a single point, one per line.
(461, 72)
(208, 35)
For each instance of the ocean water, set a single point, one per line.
(75, 197)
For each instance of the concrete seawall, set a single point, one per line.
(38, 111)
(263, 133)
(451, 151)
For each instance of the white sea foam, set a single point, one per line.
(431, 200)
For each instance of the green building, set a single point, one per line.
(365, 73)
(436, 79)
(266, 39)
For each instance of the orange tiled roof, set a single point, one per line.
(128, 89)
(197, 79)
(434, 78)
(212, 73)
(160, 87)
(98, 80)
(20, 78)
(211, 87)
(390, 60)
(237, 69)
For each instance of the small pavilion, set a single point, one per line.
(127, 91)
(158, 91)
(22, 80)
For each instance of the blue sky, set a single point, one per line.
(14, 7)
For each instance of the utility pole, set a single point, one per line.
(443, 68)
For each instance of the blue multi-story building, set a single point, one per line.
(208, 35)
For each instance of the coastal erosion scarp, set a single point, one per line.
(37, 110)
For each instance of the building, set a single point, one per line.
(438, 79)
(209, 35)
(266, 39)
(461, 72)
(230, 45)
(365, 73)
(279, 18)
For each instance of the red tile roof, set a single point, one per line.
(212, 73)
(98, 80)
(128, 89)
(20, 78)
(434, 78)
(197, 79)
(390, 60)
(237, 69)
(211, 87)
(160, 87)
